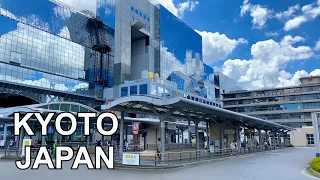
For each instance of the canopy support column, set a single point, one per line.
(162, 138)
(121, 133)
(21, 138)
(208, 135)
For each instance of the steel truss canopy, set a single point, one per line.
(183, 108)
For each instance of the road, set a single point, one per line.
(283, 165)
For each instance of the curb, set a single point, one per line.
(195, 163)
(315, 172)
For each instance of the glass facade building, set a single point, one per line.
(291, 106)
(47, 44)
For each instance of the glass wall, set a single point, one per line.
(181, 46)
(106, 10)
(181, 51)
(49, 45)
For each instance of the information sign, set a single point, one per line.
(131, 159)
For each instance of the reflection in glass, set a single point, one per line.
(61, 59)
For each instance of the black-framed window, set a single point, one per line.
(310, 139)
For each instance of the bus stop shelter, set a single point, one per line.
(188, 107)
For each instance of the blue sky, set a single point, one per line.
(259, 43)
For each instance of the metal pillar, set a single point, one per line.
(260, 138)
(238, 137)
(43, 140)
(126, 126)
(21, 137)
(93, 135)
(267, 136)
(315, 124)
(189, 133)
(5, 133)
(162, 136)
(182, 137)
(208, 135)
(197, 136)
(221, 137)
(121, 132)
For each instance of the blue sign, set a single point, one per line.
(50, 130)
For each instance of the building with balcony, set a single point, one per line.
(290, 106)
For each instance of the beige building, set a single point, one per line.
(302, 136)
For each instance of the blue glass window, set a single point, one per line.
(133, 90)
(148, 19)
(144, 17)
(140, 14)
(132, 19)
(124, 91)
(144, 89)
(132, 8)
(136, 11)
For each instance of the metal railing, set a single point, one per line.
(161, 89)
(185, 157)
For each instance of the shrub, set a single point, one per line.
(291, 145)
(315, 164)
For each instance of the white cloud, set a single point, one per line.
(179, 9)
(90, 5)
(272, 34)
(315, 72)
(317, 47)
(287, 14)
(269, 58)
(294, 23)
(258, 13)
(245, 7)
(309, 12)
(218, 46)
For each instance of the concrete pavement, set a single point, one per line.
(283, 165)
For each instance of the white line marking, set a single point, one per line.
(282, 154)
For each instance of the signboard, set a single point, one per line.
(131, 159)
(171, 126)
(135, 127)
(26, 142)
(211, 146)
(50, 130)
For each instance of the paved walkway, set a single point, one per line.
(283, 165)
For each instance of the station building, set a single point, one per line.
(53, 54)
